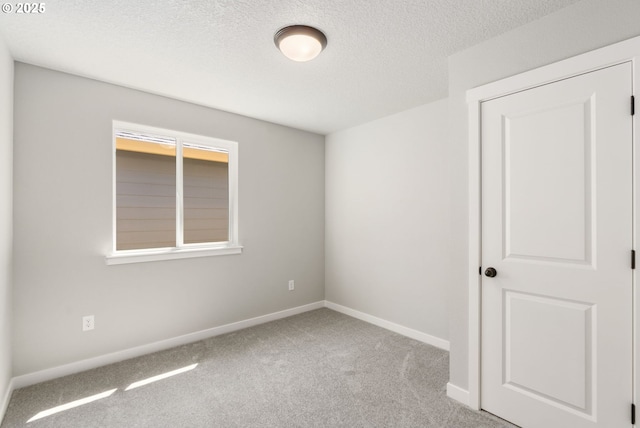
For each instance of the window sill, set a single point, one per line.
(124, 257)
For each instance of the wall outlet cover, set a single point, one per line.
(88, 323)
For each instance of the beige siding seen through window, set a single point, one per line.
(146, 196)
(206, 201)
(145, 200)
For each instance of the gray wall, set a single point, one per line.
(62, 224)
(387, 218)
(579, 28)
(6, 228)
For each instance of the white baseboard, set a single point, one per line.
(458, 394)
(4, 402)
(91, 363)
(396, 328)
(102, 360)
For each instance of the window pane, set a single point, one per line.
(206, 194)
(145, 194)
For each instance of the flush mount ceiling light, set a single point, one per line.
(300, 42)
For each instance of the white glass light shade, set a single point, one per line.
(300, 43)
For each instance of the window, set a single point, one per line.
(174, 195)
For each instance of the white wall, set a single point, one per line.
(6, 215)
(579, 28)
(387, 218)
(62, 225)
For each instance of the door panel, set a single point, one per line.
(563, 376)
(556, 225)
(558, 139)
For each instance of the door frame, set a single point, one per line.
(622, 52)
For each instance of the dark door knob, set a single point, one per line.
(490, 272)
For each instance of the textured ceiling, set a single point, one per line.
(383, 56)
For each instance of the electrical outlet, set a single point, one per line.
(292, 285)
(88, 323)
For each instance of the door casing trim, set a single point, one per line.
(626, 51)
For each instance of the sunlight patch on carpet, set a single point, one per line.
(160, 377)
(71, 405)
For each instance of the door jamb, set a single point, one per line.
(626, 51)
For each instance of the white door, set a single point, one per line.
(557, 229)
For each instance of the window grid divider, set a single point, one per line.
(179, 195)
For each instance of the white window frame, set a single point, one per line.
(181, 250)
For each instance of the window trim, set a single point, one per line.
(181, 250)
